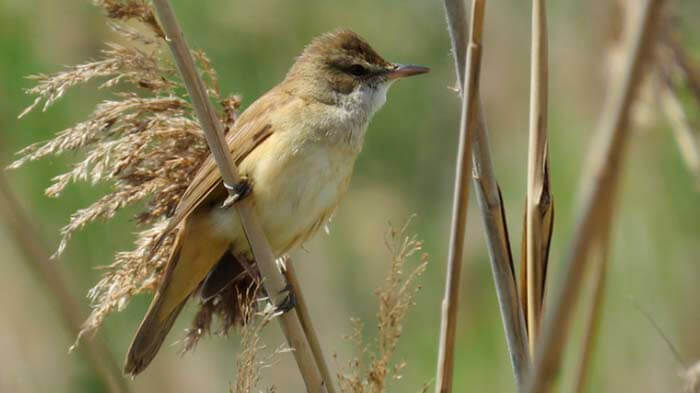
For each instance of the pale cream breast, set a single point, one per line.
(297, 184)
(302, 170)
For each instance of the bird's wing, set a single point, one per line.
(252, 128)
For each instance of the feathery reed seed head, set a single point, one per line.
(145, 143)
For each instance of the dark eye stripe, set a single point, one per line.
(357, 70)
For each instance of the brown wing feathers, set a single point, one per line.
(248, 133)
(177, 285)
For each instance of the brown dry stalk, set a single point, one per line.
(445, 366)
(539, 205)
(272, 279)
(614, 131)
(36, 257)
(595, 310)
(488, 196)
(305, 318)
(492, 210)
(396, 296)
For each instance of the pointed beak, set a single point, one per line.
(404, 70)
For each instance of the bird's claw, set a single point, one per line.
(238, 192)
(289, 301)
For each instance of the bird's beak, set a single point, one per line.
(404, 70)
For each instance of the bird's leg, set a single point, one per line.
(287, 304)
(240, 190)
(289, 301)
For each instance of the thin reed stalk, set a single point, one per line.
(450, 304)
(38, 259)
(613, 133)
(273, 281)
(305, 318)
(539, 207)
(595, 310)
(493, 214)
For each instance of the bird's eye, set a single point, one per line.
(357, 70)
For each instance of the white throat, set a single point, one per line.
(354, 111)
(370, 98)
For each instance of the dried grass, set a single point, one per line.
(375, 368)
(145, 143)
(251, 359)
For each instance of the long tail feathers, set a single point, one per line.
(149, 338)
(155, 326)
(195, 255)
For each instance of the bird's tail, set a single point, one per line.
(157, 322)
(149, 339)
(195, 255)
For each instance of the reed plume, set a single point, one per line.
(144, 142)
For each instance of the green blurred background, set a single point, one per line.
(407, 167)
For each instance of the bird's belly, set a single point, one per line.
(294, 193)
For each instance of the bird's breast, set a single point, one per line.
(297, 184)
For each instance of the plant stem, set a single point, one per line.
(539, 210)
(593, 318)
(273, 281)
(492, 210)
(614, 131)
(450, 303)
(38, 259)
(306, 324)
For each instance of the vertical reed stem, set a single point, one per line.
(306, 324)
(593, 318)
(539, 206)
(614, 131)
(450, 303)
(492, 210)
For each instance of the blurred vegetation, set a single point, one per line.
(406, 167)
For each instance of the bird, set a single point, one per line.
(295, 148)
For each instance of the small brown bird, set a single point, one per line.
(297, 146)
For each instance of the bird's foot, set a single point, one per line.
(289, 301)
(238, 192)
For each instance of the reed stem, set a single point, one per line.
(492, 210)
(539, 210)
(613, 133)
(450, 303)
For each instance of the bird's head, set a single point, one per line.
(340, 66)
